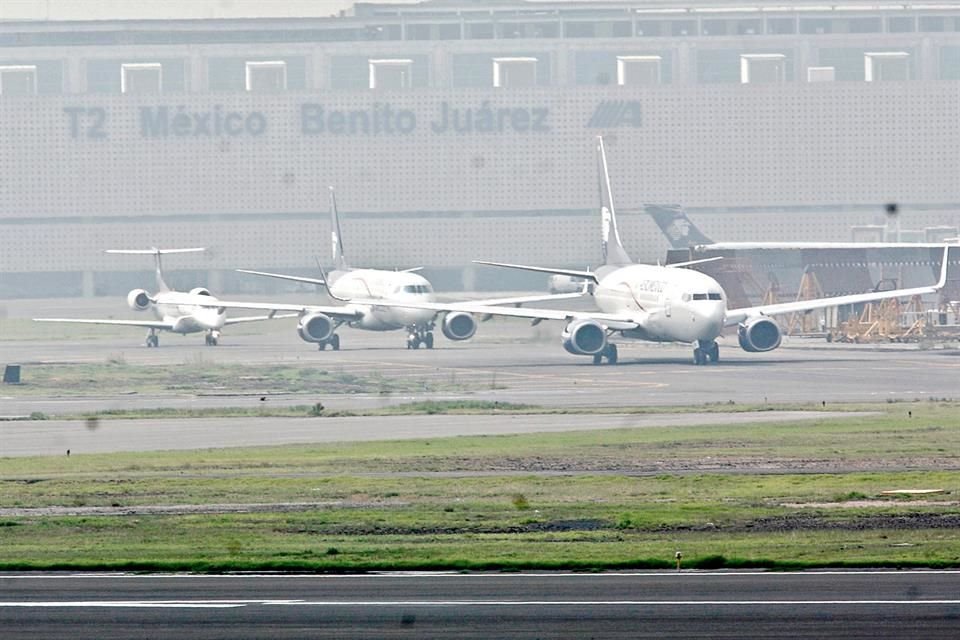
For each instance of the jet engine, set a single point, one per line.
(199, 291)
(315, 327)
(138, 300)
(584, 337)
(759, 335)
(459, 325)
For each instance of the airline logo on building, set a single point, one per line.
(611, 114)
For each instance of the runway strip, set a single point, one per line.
(835, 604)
(55, 437)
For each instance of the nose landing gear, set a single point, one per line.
(420, 335)
(705, 352)
(212, 338)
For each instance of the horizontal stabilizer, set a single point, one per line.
(154, 252)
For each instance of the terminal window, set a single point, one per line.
(514, 72)
(390, 73)
(762, 67)
(886, 65)
(144, 77)
(638, 70)
(18, 80)
(266, 76)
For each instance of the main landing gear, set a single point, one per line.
(705, 352)
(153, 340)
(420, 336)
(333, 341)
(609, 352)
(212, 338)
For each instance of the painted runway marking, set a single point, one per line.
(593, 603)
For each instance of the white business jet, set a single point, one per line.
(388, 301)
(175, 311)
(661, 303)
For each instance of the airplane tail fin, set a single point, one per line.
(339, 261)
(156, 253)
(613, 251)
(676, 226)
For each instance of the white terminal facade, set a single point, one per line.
(455, 131)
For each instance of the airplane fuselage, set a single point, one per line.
(182, 311)
(389, 286)
(680, 305)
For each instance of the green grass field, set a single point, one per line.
(783, 495)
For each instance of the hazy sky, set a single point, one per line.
(133, 9)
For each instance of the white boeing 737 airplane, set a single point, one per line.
(661, 304)
(388, 301)
(175, 311)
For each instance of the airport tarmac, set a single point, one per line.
(506, 362)
(736, 604)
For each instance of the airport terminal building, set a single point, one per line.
(460, 130)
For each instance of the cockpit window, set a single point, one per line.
(699, 296)
(715, 296)
(416, 288)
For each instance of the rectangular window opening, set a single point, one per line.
(266, 76)
(144, 77)
(638, 70)
(886, 66)
(391, 73)
(763, 68)
(514, 72)
(821, 74)
(18, 80)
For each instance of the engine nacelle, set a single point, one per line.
(138, 300)
(759, 335)
(200, 291)
(315, 327)
(584, 337)
(459, 325)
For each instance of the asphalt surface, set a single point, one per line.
(508, 362)
(55, 437)
(881, 604)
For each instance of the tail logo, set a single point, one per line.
(611, 114)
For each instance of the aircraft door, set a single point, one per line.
(666, 305)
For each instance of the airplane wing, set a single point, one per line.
(345, 312)
(149, 324)
(271, 316)
(618, 322)
(519, 300)
(283, 276)
(736, 316)
(587, 275)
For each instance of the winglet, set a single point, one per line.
(326, 283)
(943, 268)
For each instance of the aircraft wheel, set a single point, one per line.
(699, 357)
(153, 341)
(415, 343)
(612, 354)
(428, 340)
(598, 358)
(322, 345)
(335, 342)
(712, 353)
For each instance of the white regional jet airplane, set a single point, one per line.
(661, 304)
(176, 311)
(385, 296)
